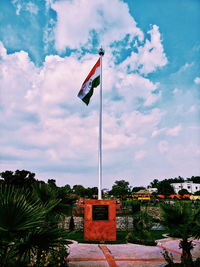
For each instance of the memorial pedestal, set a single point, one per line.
(99, 219)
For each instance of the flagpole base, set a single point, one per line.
(99, 219)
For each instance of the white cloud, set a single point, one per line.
(142, 123)
(192, 109)
(47, 129)
(75, 22)
(197, 80)
(174, 131)
(180, 157)
(140, 154)
(32, 8)
(41, 108)
(3, 52)
(17, 5)
(135, 87)
(109, 25)
(163, 146)
(184, 68)
(197, 151)
(157, 132)
(177, 91)
(150, 56)
(128, 130)
(21, 5)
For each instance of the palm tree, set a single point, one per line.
(24, 231)
(17, 217)
(142, 224)
(60, 204)
(181, 220)
(40, 240)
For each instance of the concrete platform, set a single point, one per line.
(126, 255)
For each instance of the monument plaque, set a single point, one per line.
(99, 219)
(100, 212)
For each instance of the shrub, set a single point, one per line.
(71, 224)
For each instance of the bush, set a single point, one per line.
(56, 257)
(71, 224)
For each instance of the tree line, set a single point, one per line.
(24, 178)
(164, 187)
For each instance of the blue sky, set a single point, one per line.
(151, 85)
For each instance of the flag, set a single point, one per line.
(92, 81)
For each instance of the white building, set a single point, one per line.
(190, 186)
(152, 190)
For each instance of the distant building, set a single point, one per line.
(149, 190)
(152, 190)
(190, 186)
(105, 190)
(142, 192)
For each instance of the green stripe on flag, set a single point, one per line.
(95, 83)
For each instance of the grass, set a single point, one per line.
(121, 237)
(78, 236)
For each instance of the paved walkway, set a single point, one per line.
(126, 255)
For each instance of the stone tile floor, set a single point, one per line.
(126, 255)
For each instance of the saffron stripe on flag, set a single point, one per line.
(93, 70)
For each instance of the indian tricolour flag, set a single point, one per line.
(92, 81)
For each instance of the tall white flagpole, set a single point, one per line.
(101, 53)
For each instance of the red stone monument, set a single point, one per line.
(99, 219)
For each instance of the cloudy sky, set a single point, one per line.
(151, 89)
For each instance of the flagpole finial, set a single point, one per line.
(101, 51)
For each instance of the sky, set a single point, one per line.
(151, 89)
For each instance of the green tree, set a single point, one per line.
(68, 189)
(51, 182)
(183, 192)
(181, 221)
(137, 188)
(165, 188)
(120, 188)
(194, 179)
(91, 192)
(79, 190)
(178, 179)
(64, 194)
(197, 193)
(154, 184)
(19, 178)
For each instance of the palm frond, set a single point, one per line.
(17, 214)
